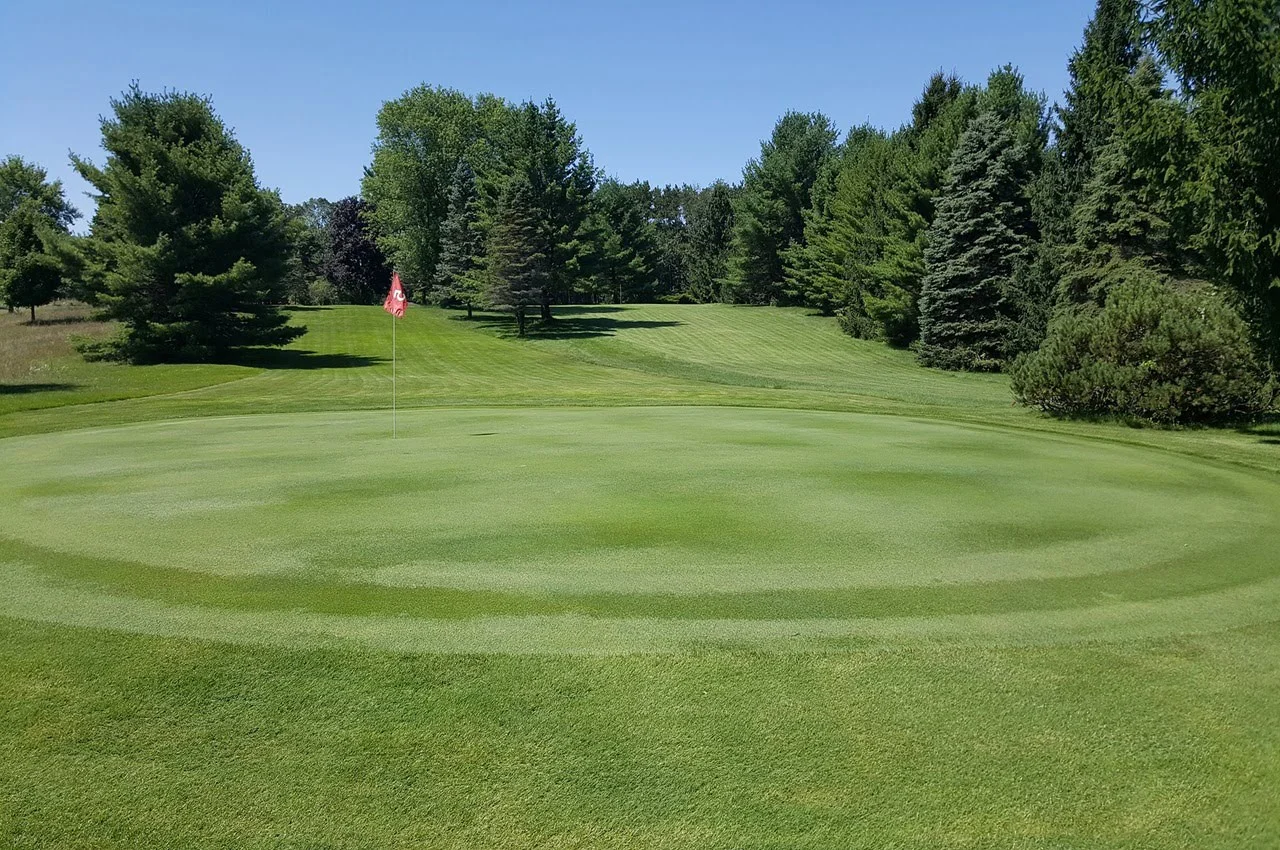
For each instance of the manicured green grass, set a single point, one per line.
(662, 576)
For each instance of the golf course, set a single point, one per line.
(656, 576)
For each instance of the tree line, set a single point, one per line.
(1118, 253)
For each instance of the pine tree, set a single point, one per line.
(863, 255)
(561, 177)
(769, 211)
(459, 274)
(1121, 225)
(841, 225)
(619, 246)
(710, 217)
(1224, 54)
(194, 250)
(518, 266)
(975, 243)
(1099, 70)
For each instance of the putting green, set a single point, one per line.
(626, 529)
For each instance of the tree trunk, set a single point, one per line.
(519, 321)
(33, 314)
(468, 310)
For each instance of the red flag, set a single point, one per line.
(396, 301)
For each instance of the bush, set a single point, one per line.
(1151, 353)
(856, 324)
(677, 298)
(322, 293)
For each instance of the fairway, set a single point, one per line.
(626, 585)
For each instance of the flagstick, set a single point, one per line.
(393, 376)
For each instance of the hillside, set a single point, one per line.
(608, 355)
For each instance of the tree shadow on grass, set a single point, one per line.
(24, 389)
(569, 323)
(59, 320)
(295, 358)
(304, 308)
(1266, 428)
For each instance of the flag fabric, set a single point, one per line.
(396, 301)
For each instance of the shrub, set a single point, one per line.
(856, 324)
(1152, 353)
(677, 298)
(323, 293)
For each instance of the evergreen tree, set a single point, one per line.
(864, 238)
(459, 275)
(518, 266)
(1122, 222)
(710, 217)
(1098, 70)
(561, 177)
(1228, 201)
(839, 224)
(769, 213)
(353, 262)
(621, 246)
(975, 243)
(30, 268)
(194, 251)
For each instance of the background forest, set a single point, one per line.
(1117, 253)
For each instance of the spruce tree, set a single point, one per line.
(459, 274)
(975, 243)
(194, 250)
(1098, 70)
(769, 210)
(517, 263)
(1122, 223)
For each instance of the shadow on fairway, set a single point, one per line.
(24, 389)
(293, 358)
(303, 308)
(569, 323)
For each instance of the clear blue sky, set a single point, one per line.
(665, 91)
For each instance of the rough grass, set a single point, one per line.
(654, 578)
(39, 367)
